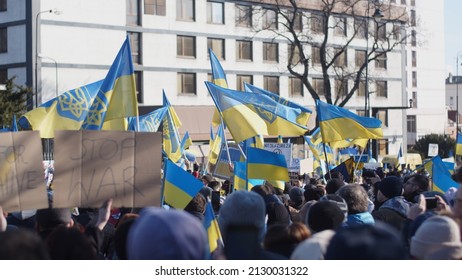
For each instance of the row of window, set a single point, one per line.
(186, 47)
(185, 11)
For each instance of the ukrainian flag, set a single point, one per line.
(337, 124)
(65, 112)
(149, 122)
(219, 79)
(215, 148)
(248, 115)
(240, 178)
(116, 99)
(212, 228)
(459, 144)
(349, 142)
(171, 138)
(301, 119)
(441, 177)
(316, 137)
(262, 164)
(180, 187)
(186, 141)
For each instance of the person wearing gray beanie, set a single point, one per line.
(242, 224)
(437, 238)
(166, 235)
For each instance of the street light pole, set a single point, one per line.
(56, 71)
(37, 16)
(457, 92)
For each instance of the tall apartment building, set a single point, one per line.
(53, 46)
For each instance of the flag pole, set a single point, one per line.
(226, 142)
(357, 163)
(327, 161)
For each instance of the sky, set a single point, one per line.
(453, 33)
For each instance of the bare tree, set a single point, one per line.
(320, 33)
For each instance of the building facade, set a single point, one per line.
(53, 46)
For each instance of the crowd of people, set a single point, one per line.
(382, 216)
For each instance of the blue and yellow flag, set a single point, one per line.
(240, 178)
(116, 98)
(301, 119)
(263, 164)
(215, 148)
(180, 187)
(248, 115)
(441, 177)
(219, 79)
(349, 142)
(459, 144)
(171, 138)
(186, 142)
(337, 124)
(65, 112)
(280, 140)
(149, 122)
(318, 150)
(212, 228)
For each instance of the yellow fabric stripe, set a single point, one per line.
(175, 196)
(243, 123)
(267, 172)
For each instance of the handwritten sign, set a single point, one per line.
(92, 166)
(22, 186)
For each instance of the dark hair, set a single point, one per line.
(22, 244)
(215, 185)
(66, 243)
(313, 194)
(197, 204)
(334, 185)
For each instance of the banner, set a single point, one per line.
(93, 166)
(22, 186)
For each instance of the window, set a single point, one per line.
(403, 2)
(341, 87)
(3, 76)
(381, 61)
(381, 31)
(295, 87)
(382, 114)
(362, 88)
(243, 15)
(412, 3)
(215, 12)
(133, 12)
(185, 10)
(217, 46)
(316, 55)
(241, 79)
(139, 86)
(382, 88)
(413, 18)
(294, 54)
(414, 59)
(3, 40)
(360, 28)
(411, 124)
(396, 31)
(341, 60)
(414, 78)
(186, 46)
(186, 83)
(297, 20)
(244, 50)
(270, 19)
(135, 43)
(3, 5)
(271, 83)
(155, 7)
(393, 1)
(270, 52)
(360, 58)
(317, 24)
(318, 85)
(382, 145)
(413, 38)
(340, 26)
(414, 100)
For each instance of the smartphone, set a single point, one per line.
(241, 243)
(431, 202)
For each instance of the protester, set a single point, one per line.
(357, 200)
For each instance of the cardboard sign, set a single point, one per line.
(93, 166)
(432, 150)
(22, 186)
